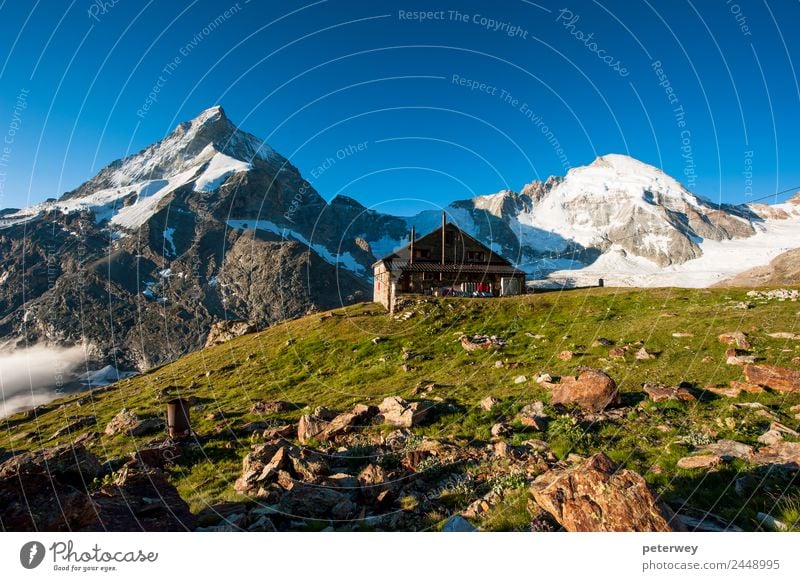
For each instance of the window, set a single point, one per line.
(422, 253)
(476, 255)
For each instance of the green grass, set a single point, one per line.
(310, 362)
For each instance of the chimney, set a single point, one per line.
(444, 224)
(411, 259)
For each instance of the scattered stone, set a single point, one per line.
(520, 379)
(659, 392)
(477, 342)
(735, 390)
(592, 390)
(498, 364)
(406, 368)
(398, 412)
(617, 353)
(642, 355)
(727, 450)
(771, 523)
(533, 416)
(500, 429)
(458, 524)
(773, 377)
(782, 335)
(596, 496)
(74, 425)
(736, 338)
(681, 335)
(285, 431)
(602, 342)
(488, 403)
(776, 433)
(377, 340)
(263, 408)
(544, 378)
(223, 331)
(345, 423)
(565, 355)
(738, 357)
(704, 461)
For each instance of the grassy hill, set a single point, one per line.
(333, 359)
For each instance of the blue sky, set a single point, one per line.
(444, 108)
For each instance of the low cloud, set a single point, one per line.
(34, 375)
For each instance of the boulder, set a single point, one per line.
(318, 502)
(659, 392)
(309, 426)
(736, 338)
(127, 422)
(781, 453)
(398, 412)
(345, 423)
(596, 496)
(773, 377)
(592, 390)
(223, 331)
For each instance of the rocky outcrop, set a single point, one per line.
(596, 496)
(592, 390)
(223, 331)
(51, 490)
(127, 422)
(659, 392)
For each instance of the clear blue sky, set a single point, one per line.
(314, 78)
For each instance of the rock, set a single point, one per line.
(309, 426)
(73, 425)
(544, 378)
(704, 461)
(500, 429)
(736, 389)
(398, 412)
(458, 524)
(140, 500)
(773, 377)
(285, 431)
(595, 496)
(406, 368)
(318, 502)
(488, 403)
(680, 335)
(642, 355)
(735, 357)
(592, 390)
(727, 450)
(345, 423)
(481, 342)
(533, 416)
(520, 379)
(377, 340)
(602, 342)
(736, 338)
(771, 523)
(565, 355)
(783, 335)
(278, 462)
(123, 422)
(776, 433)
(659, 392)
(781, 453)
(616, 353)
(223, 331)
(263, 408)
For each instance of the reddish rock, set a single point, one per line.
(565, 355)
(781, 453)
(398, 412)
(592, 390)
(594, 496)
(309, 426)
(773, 377)
(704, 461)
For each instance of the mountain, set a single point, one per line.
(211, 224)
(140, 260)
